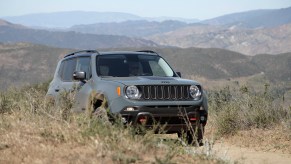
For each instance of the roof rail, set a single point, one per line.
(77, 52)
(148, 51)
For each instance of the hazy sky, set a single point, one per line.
(201, 9)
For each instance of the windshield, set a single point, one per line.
(124, 65)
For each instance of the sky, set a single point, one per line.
(198, 9)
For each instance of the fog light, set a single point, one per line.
(129, 109)
(123, 120)
(201, 108)
(202, 118)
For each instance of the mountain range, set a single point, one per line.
(244, 40)
(140, 28)
(71, 18)
(250, 19)
(254, 19)
(25, 63)
(250, 33)
(12, 33)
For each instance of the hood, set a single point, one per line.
(151, 80)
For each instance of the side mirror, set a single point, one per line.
(179, 74)
(79, 75)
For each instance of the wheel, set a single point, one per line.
(101, 114)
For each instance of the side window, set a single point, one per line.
(84, 64)
(67, 69)
(61, 69)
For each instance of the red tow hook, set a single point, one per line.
(193, 118)
(143, 119)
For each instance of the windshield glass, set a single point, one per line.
(124, 65)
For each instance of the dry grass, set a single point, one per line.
(244, 117)
(33, 131)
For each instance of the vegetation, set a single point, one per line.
(243, 109)
(256, 119)
(32, 129)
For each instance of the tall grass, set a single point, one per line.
(32, 129)
(234, 109)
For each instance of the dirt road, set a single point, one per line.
(248, 155)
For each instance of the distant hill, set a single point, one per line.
(244, 40)
(249, 19)
(8, 24)
(276, 67)
(71, 18)
(254, 19)
(139, 28)
(24, 63)
(252, 32)
(13, 33)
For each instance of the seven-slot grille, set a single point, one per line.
(165, 92)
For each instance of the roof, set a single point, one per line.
(90, 52)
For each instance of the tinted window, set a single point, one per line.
(132, 65)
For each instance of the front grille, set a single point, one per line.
(165, 92)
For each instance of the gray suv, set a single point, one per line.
(140, 87)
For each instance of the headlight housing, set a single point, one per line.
(195, 92)
(132, 92)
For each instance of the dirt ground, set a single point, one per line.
(249, 155)
(254, 146)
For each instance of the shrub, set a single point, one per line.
(243, 109)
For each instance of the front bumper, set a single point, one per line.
(171, 118)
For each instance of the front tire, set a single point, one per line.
(101, 114)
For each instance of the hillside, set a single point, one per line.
(210, 63)
(70, 18)
(247, 41)
(138, 28)
(12, 33)
(276, 67)
(11, 25)
(254, 19)
(24, 63)
(250, 33)
(67, 19)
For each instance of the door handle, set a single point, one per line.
(57, 90)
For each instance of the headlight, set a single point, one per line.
(132, 92)
(195, 92)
